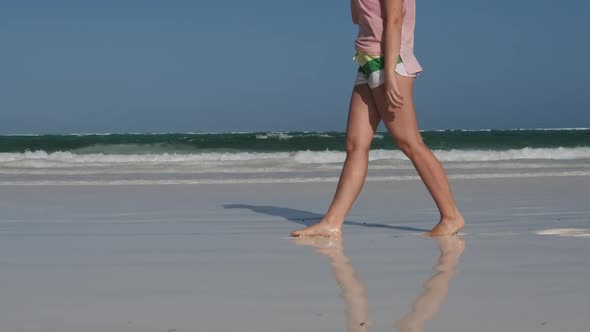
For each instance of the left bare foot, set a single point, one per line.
(448, 226)
(322, 228)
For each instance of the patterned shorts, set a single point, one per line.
(371, 69)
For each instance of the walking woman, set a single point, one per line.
(383, 91)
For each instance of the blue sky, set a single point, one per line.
(234, 65)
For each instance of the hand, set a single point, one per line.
(394, 97)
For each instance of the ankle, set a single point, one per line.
(452, 215)
(333, 220)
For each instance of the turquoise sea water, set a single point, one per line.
(187, 143)
(280, 156)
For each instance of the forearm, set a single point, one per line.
(392, 34)
(353, 12)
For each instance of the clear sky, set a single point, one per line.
(261, 65)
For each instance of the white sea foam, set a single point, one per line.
(278, 135)
(42, 159)
(100, 158)
(313, 157)
(515, 154)
(276, 180)
(565, 232)
(550, 129)
(284, 136)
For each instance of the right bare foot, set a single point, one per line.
(323, 228)
(448, 226)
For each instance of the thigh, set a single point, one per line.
(363, 117)
(401, 122)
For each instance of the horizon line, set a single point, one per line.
(282, 131)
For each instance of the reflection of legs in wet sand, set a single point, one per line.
(435, 288)
(353, 290)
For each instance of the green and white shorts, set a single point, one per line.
(372, 69)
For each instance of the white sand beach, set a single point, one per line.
(217, 257)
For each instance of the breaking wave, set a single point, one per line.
(65, 158)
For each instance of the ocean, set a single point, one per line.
(271, 157)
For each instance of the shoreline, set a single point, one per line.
(393, 178)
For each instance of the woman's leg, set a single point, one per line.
(403, 127)
(363, 120)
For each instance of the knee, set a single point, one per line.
(410, 146)
(355, 146)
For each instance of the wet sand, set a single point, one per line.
(218, 258)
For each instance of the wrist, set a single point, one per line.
(389, 75)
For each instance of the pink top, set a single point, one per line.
(368, 14)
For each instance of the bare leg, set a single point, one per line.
(363, 120)
(403, 127)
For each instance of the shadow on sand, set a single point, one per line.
(307, 218)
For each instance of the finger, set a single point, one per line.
(393, 102)
(398, 101)
(398, 95)
(391, 98)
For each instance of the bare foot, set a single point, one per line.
(447, 226)
(322, 228)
